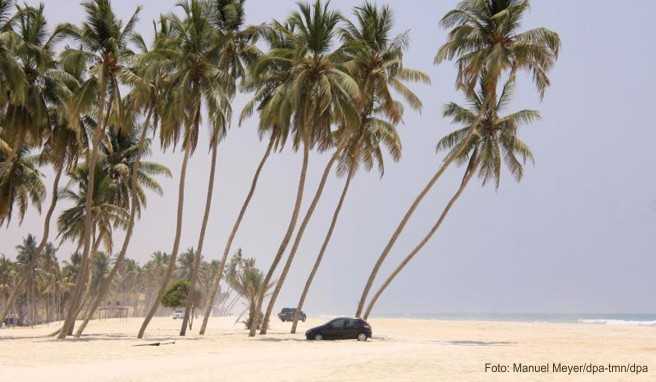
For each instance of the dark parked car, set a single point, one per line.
(341, 329)
(287, 314)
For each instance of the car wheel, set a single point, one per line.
(318, 337)
(362, 337)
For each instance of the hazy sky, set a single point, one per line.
(578, 234)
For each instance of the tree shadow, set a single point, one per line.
(478, 343)
(269, 339)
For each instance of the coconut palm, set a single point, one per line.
(104, 41)
(317, 94)
(26, 121)
(484, 38)
(48, 86)
(375, 60)
(267, 83)
(133, 177)
(495, 141)
(13, 84)
(195, 79)
(21, 183)
(237, 53)
(246, 279)
(146, 77)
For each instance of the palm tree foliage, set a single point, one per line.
(495, 136)
(485, 38)
(21, 183)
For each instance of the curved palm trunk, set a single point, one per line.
(297, 242)
(44, 237)
(285, 240)
(107, 282)
(404, 221)
(324, 246)
(176, 244)
(216, 280)
(468, 174)
(85, 297)
(69, 322)
(201, 240)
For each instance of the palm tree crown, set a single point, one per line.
(485, 39)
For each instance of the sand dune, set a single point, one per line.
(402, 350)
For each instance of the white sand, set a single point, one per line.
(402, 350)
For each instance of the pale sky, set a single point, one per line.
(577, 235)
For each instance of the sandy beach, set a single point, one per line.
(401, 350)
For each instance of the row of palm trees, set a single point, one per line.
(325, 83)
(47, 283)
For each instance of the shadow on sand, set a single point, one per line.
(477, 343)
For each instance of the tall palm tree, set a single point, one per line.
(146, 79)
(237, 54)
(484, 38)
(266, 85)
(495, 140)
(374, 59)
(195, 79)
(104, 47)
(42, 118)
(317, 94)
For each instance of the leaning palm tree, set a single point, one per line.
(195, 79)
(104, 41)
(237, 52)
(265, 86)
(495, 141)
(318, 93)
(375, 60)
(484, 38)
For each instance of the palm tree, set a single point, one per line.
(47, 86)
(104, 47)
(375, 61)
(237, 53)
(247, 280)
(484, 39)
(29, 261)
(146, 78)
(195, 79)
(134, 176)
(495, 139)
(105, 212)
(20, 183)
(265, 86)
(318, 93)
